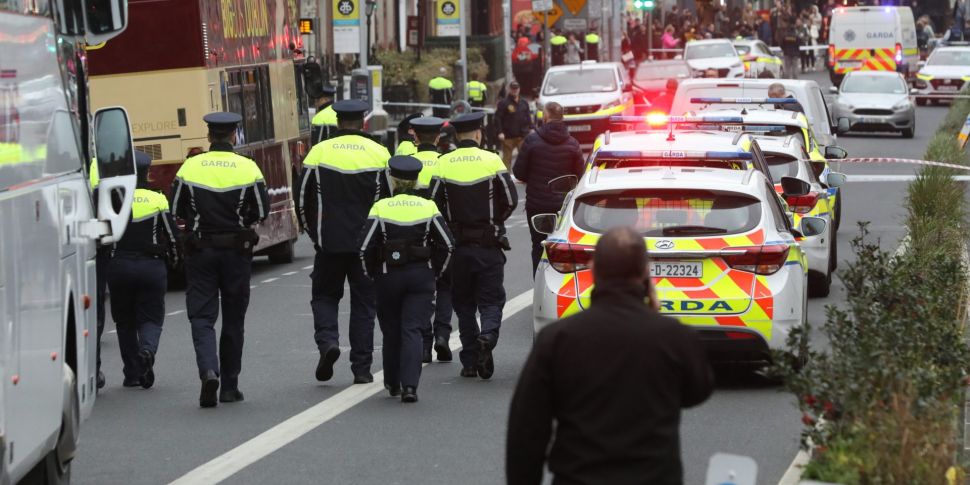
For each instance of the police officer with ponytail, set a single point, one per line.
(405, 245)
(220, 195)
(138, 278)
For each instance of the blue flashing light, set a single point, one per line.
(731, 155)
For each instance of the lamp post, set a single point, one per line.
(371, 8)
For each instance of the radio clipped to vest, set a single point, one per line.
(399, 252)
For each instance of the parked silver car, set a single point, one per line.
(875, 101)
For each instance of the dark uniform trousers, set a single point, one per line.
(405, 297)
(330, 270)
(477, 287)
(216, 274)
(440, 324)
(138, 283)
(101, 281)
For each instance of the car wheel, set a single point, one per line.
(838, 210)
(908, 132)
(819, 284)
(834, 252)
(920, 101)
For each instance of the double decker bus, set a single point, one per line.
(181, 59)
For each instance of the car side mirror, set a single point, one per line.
(811, 226)
(913, 91)
(835, 179)
(563, 184)
(115, 156)
(833, 152)
(834, 89)
(104, 19)
(544, 223)
(842, 126)
(791, 186)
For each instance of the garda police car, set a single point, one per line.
(725, 258)
(946, 73)
(589, 93)
(758, 58)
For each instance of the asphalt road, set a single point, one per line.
(456, 433)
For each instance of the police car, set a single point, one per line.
(589, 93)
(946, 72)
(758, 58)
(717, 54)
(725, 255)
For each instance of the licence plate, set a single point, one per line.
(679, 269)
(580, 128)
(949, 88)
(850, 63)
(872, 120)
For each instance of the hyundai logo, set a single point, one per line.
(664, 244)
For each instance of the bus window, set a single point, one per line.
(302, 104)
(248, 93)
(63, 153)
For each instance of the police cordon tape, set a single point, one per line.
(910, 161)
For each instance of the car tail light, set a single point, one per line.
(568, 258)
(802, 204)
(831, 55)
(899, 53)
(764, 260)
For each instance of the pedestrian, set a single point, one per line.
(441, 91)
(592, 45)
(405, 136)
(477, 91)
(557, 48)
(546, 153)
(573, 50)
(670, 41)
(514, 120)
(405, 244)
(324, 121)
(478, 197)
(815, 25)
(437, 331)
(617, 413)
(763, 29)
(804, 40)
(341, 180)
(789, 46)
(222, 195)
(777, 91)
(525, 67)
(749, 17)
(138, 278)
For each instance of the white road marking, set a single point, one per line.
(176, 312)
(793, 474)
(268, 280)
(895, 178)
(308, 267)
(290, 273)
(271, 440)
(252, 287)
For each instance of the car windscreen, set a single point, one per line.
(649, 71)
(706, 51)
(579, 81)
(668, 212)
(949, 58)
(873, 84)
(781, 166)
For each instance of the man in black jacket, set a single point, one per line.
(513, 120)
(546, 154)
(617, 413)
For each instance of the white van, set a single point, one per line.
(872, 39)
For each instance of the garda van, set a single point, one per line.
(872, 39)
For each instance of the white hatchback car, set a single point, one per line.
(717, 54)
(725, 258)
(590, 93)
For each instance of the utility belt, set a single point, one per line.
(479, 235)
(242, 240)
(399, 252)
(151, 251)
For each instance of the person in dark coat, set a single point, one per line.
(617, 414)
(546, 153)
(513, 121)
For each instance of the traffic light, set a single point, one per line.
(643, 4)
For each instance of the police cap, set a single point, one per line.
(468, 122)
(328, 91)
(350, 109)
(222, 122)
(405, 167)
(427, 124)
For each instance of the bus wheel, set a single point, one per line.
(281, 253)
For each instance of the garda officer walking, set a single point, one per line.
(441, 91)
(592, 46)
(221, 195)
(436, 333)
(405, 136)
(477, 92)
(138, 278)
(324, 122)
(342, 178)
(478, 197)
(557, 49)
(405, 243)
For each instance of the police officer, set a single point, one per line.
(221, 195)
(477, 92)
(405, 136)
(436, 333)
(342, 178)
(101, 271)
(405, 243)
(557, 49)
(592, 46)
(478, 197)
(441, 91)
(324, 122)
(138, 279)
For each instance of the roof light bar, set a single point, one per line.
(687, 154)
(743, 100)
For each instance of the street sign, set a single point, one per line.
(541, 5)
(574, 6)
(447, 14)
(552, 16)
(575, 25)
(414, 31)
(964, 134)
(346, 26)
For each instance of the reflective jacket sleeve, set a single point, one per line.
(383, 185)
(181, 199)
(167, 221)
(530, 416)
(506, 197)
(442, 244)
(371, 235)
(306, 202)
(520, 168)
(256, 205)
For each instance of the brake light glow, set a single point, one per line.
(568, 258)
(899, 52)
(763, 260)
(656, 118)
(831, 55)
(802, 204)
